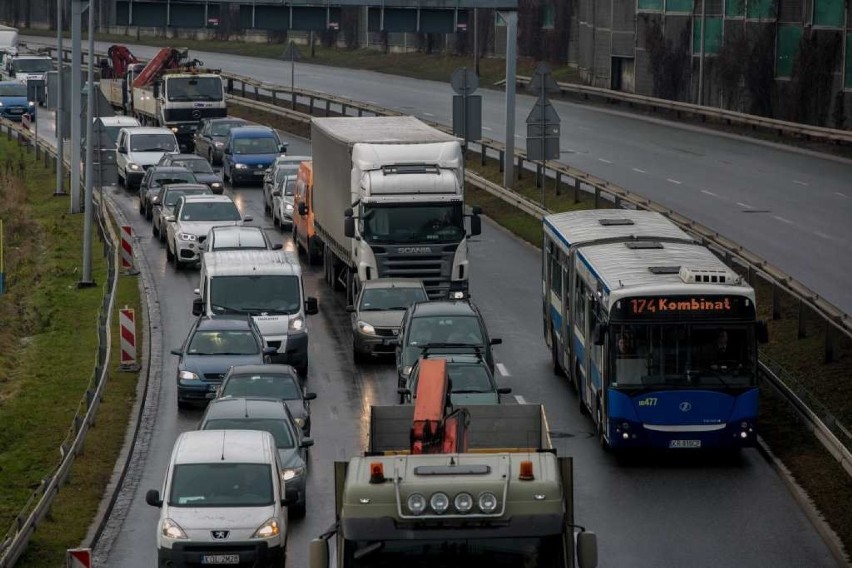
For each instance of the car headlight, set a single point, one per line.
(296, 324)
(366, 328)
(172, 530)
(155, 199)
(187, 376)
(187, 237)
(288, 206)
(32, 104)
(487, 502)
(219, 144)
(1, 103)
(174, 129)
(240, 166)
(439, 502)
(134, 167)
(215, 184)
(268, 529)
(300, 422)
(457, 295)
(416, 503)
(291, 472)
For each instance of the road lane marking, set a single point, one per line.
(709, 193)
(800, 182)
(783, 220)
(841, 194)
(428, 114)
(639, 171)
(745, 205)
(604, 161)
(823, 235)
(673, 181)
(520, 399)
(487, 128)
(503, 370)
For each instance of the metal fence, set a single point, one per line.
(17, 537)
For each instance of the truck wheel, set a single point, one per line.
(309, 252)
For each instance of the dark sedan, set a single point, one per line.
(200, 167)
(271, 381)
(155, 177)
(211, 134)
(212, 346)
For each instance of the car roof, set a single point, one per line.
(174, 157)
(443, 308)
(393, 283)
(170, 169)
(208, 198)
(226, 322)
(266, 369)
(233, 119)
(147, 130)
(233, 236)
(186, 186)
(118, 120)
(246, 131)
(228, 446)
(246, 407)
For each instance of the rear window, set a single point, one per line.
(172, 195)
(278, 428)
(239, 240)
(268, 386)
(210, 211)
(221, 485)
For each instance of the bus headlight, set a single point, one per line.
(463, 502)
(439, 502)
(487, 502)
(416, 503)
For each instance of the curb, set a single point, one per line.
(832, 541)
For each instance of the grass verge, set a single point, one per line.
(48, 348)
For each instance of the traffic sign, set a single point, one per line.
(464, 81)
(467, 117)
(543, 121)
(542, 77)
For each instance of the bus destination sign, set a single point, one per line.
(684, 307)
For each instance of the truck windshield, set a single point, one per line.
(31, 65)
(683, 356)
(221, 485)
(16, 90)
(404, 224)
(546, 552)
(194, 89)
(255, 294)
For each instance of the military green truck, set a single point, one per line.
(505, 503)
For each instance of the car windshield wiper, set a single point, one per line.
(231, 309)
(471, 391)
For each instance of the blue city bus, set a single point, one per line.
(657, 334)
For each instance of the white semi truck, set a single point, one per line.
(8, 42)
(388, 202)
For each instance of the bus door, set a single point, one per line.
(579, 337)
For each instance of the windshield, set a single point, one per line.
(278, 428)
(194, 89)
(255, 294)
(166, 178)
(221, 485)
(376, 299)
(683, 356)
(459, 330)
(172, 195)
(440, 223)
(200, 166)
(284, 170)
(16, 90)
(31, 65)
(265, 145)
(210, 211)
(153, 143)
(264, 385)
(516, 552)
(222, 128)
(231, 342)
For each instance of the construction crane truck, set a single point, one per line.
(171, 90)
(478, 486)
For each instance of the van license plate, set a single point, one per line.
(217, 559)
(685, 444)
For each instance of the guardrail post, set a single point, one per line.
(617, 201)
(327, 106)
(482, 155)
(829, 342)
(558, 183)
(597, 198)
(802, 332)
(538, 176)
(343, 109)
(229, 85)
(502, 157)
(776, 301)
(576, 190)
(360, 111)
(256, 93)
(311, 104)
(243, 84)
(520, 167)
(274, 94)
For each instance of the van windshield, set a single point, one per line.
(221, 485)
(255, 294)
(153, 143)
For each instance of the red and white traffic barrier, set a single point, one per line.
(79, 558)
(127, 247)
(25, 120)
(127, 324)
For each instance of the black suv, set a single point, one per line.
(444, 326)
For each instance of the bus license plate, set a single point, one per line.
(685, 444)
(218, 559)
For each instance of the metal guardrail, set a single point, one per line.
(705, 113)
(17, 537)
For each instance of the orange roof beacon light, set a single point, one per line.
(526, 471)
(377, 472)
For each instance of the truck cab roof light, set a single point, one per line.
(377, 472)
(526, 471)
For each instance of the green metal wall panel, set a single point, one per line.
(122, 14)
(761, 9)
(273, 18)
(396, 20)
(828, 13)
(734, 8)
(307, 19)
(713, 43)
(789, 37)
(679, 6)
(436, 21)
(149, 14)
(656, 5)
(187, 16)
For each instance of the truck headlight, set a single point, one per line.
(292, 472)
(187, 376)
(268, 529)
(439, 502)
(296, 324)
(416, 503)
(241, 166)
(134, 167)
(187, 237)
(172, 530)
(487, 502)
(367, 329)
(463, 502)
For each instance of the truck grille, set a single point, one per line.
(192, 114)
(433, 268)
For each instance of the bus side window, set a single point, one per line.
(555, 275)
(580, 305)
(597, 350)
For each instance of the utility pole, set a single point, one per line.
(60, 107)
(511, 20)
(476, 41)
(701, 55)
(76, 87)
(88, 209)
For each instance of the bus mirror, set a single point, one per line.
(762, 332)
(349, 227)
(475, 225)
(599, 333)
(318, 553)
(587, 550)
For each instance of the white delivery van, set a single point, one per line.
(266, 284)
(138, 148)
(222, 501)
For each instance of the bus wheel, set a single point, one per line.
(600, 427)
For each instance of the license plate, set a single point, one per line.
(220, 559)
(685, 444)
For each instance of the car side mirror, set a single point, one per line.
(351, 309)
(169, 218)
(599, 333)
(282, 148)
(248, 219)
(152, 497)
(121, 150)
(475, 225)
(303, 209)
(310, 396)
(227, 150)
(270, 350)
(349, 227)
(306, 443)
(587, 549)
(762, 332)
(177, 352)
(197, 306)
(496, 341)
(277, 246)
(311, 306)
(504, 390)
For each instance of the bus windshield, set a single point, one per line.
(683, 356)
(546, 552)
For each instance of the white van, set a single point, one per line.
(138, 148)
(222, 501)
(266, 284)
